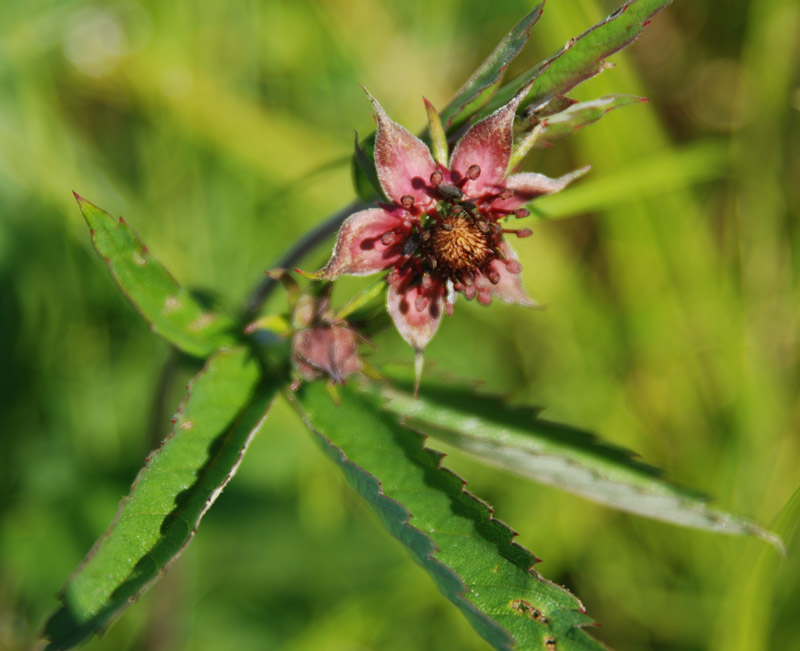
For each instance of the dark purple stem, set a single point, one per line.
(293, 256)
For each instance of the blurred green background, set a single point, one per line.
(220, 131)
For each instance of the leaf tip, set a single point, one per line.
(311, 275)
(773, 539)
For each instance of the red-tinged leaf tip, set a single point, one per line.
(78, 197)
(310, 275)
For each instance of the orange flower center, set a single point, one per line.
(459, 247)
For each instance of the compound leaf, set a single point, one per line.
(470, 555)
(224, 408)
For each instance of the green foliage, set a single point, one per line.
(581, 58)
(671, 323)
(170, 309)
(223, 410)
(543, 131)
(365, 176)
(516, 439)
(485, 81)
(448, 531)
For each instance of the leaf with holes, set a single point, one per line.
(170, 309)
(581, 58)
(516, 439)
(470, 556)
(223, 410)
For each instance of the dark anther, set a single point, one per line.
(524, 232)
(521, 212)
(473, 172)
(388, 238)
(449, 191)
(411, 244)
(507, 193)
(407, 201)
(437, 177)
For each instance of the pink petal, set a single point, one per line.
(509, 287)
(530, 185)
(487, 144)
(363, 246)
(403, 161)
(417, 327)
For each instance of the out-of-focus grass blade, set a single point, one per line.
(170, 309)
(485, 81)
(515, 439)
(224, 408)
(665, 172)
(448, 531)
(582, 57)
(753, 589)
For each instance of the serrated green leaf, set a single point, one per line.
(170, 309)
(224, 408)
(485, 81)
(542, 131)
(582, 57)
(516, 439)
(448, 531)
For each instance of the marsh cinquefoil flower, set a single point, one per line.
(441, 235)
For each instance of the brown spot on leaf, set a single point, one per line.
(171, 303)
(525, 608)
(203, 321)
